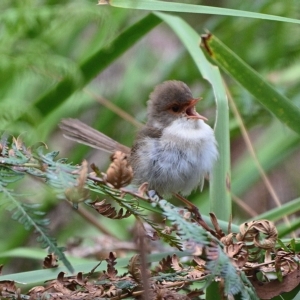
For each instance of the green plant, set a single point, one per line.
(44, 79)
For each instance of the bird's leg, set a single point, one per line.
(195, 211)
(191, 207)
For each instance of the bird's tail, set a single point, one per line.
(75, 130)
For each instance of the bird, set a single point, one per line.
(173, 152)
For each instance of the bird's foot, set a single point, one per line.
(196, 213)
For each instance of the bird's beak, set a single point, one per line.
(191, 110)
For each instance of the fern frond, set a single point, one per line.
(131, 206)
(27, 215)
(219, 264)
(66, 179)
(108, 211)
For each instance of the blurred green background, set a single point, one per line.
(44, 43)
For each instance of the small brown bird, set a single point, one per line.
(173, 152)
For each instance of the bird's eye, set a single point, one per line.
(175, 108)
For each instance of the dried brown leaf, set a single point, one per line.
(50, 261)
(195, 294)
(218, 230)
(96, 170)
(227, 239)
(80, 279)
(286, 261)
(238, 253)
(176, 266)
(83, 173)
(253, 231)
(60, 277)
(119, 172)
(79, 193)
(134, 268)
(59, 287)
(164, 265)
(111, 262)
(36, 290)
(8, 286)
(274, 288)
(111, 292)
(196, 274)
(108, 211)
(199, 261)
(18, 142)
(166, 294)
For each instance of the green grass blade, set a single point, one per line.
(220, 201)
(278, 213)
(284, 230)
(279, 105)
(96, 63)
(192, 8)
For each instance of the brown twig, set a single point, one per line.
(114, 108)
(93, 220)
(253, 154)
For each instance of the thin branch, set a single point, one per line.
(251, 212)
(93, 220)
(114, 108)
(253, 153)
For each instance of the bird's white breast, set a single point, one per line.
(181, 157)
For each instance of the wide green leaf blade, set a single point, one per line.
(277, 213)
(220, 200)
(279, 105)
(192, 8)
(96, 63)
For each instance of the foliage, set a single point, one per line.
(55, 57)
(229, 259)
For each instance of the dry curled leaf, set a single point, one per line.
(134, 268)
(7, 286)
(108, 211)
(36, 291)
(196, 274)
(163, 293)
(286, 261)
(119, 172)
(164, 265)
(50, 261)
(254, 231)
(111, 262)
(200, 263)
(176, 266)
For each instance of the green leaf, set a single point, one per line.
(279, 212)
(191, 8)
(279, 105)
(96, 63)
(220, 200)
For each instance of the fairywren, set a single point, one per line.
(173, 152)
